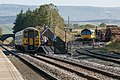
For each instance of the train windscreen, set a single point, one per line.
(36, 34)
(30, 34)
(31, 38)
(86, 33)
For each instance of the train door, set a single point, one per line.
(25, 38)
(31, 40)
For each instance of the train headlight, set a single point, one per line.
(25, 40)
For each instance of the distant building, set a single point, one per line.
(112, 27)
(115, 31)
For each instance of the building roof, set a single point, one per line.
(46, 30)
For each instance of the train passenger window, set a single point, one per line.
(25, 34)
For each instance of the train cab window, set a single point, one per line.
(36, 34)
(88, 32)
(25, 34)
(84, 33)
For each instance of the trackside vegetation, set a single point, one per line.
(45, 15)
(115, 47)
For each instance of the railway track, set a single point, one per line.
(82, 72)
(110, 58)
(62, 63)
(33, 66)
(114, 56)
(118, 53)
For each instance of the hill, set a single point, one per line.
(8, 13)
(13, 9)
(7, 19)
(83, 13)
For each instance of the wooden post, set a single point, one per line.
(93, 42)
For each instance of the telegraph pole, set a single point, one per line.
(69, 28)
(65, 33)
(68, 22)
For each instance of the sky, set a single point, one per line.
(97, 3)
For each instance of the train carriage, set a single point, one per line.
(28, 39)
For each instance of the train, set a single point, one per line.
(28, 39)
(88, 34)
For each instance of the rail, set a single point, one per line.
(33, 66)
(113, 75)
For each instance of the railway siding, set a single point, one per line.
(83, 63)
(111, 69)
(111, 55)
(98, 56)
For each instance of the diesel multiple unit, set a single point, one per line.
(28, 39)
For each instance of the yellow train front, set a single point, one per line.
(28, 39)
(87, 36)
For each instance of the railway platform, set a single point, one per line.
(7, 69)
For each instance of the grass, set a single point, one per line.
(6, 28)
(114, 47)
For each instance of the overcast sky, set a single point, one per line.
(98, 3)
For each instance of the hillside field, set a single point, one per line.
(6, 28)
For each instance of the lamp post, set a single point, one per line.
(54, 43)
(65, 28)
